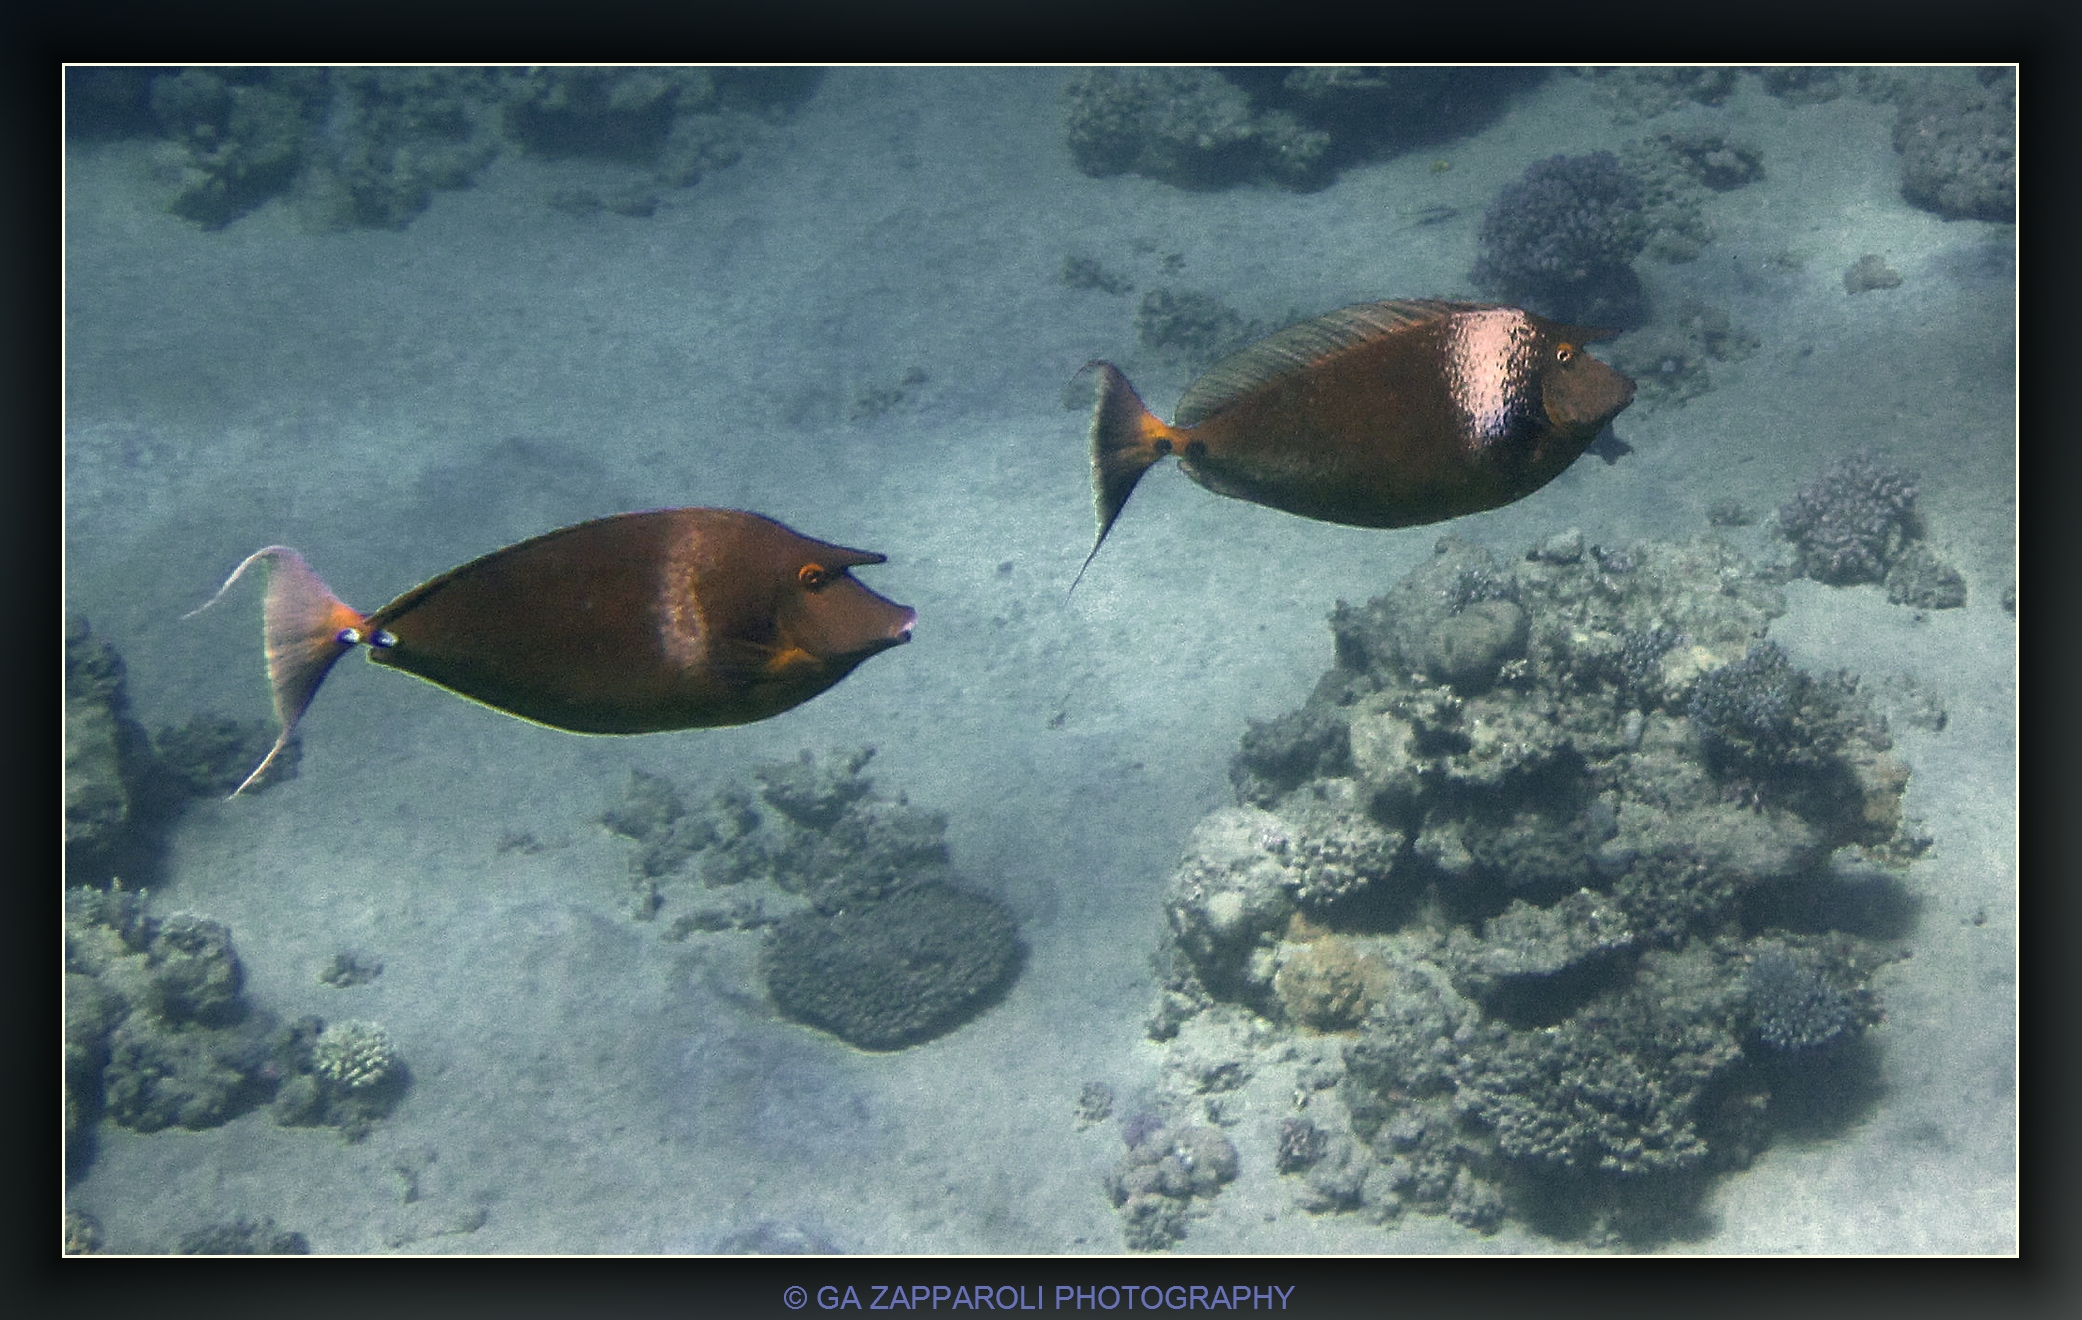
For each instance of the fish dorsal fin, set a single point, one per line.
(1303, 345)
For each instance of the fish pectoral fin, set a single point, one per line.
(1127, 439)
(784, 659)
(740, 663)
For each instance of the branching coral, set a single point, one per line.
(1852, 521)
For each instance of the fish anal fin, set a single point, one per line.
(1303, 345)
(1127, 439)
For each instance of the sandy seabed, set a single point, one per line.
(393, 403)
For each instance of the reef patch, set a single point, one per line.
(1539, 937)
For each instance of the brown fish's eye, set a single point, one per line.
(813, 576)
(1563, 352)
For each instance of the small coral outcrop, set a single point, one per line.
(347, 1075)
(1852, 520)
(1956, 131)
(354, 1056)
(157, 1033)
(893, 973)
(869, 932)
(1156, 1183)
(1293, 127)
(1856, 521)
(1562, 239)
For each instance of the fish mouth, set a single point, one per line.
(898, 633)
(901, 633)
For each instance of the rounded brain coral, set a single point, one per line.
(900, 972)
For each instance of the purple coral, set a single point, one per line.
(1564, 236)
(1751, 712)
(1853, 520)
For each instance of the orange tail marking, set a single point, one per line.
(307, 629)
(1127, 439)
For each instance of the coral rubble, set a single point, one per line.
(243, 1237)
(1154, 1184)
(1196, 329)
(1922, 580)
(1669, 359)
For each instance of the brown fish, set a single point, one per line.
(638, 623)
(1385, 414)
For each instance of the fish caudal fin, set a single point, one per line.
(307, 629)
(1126, 440)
